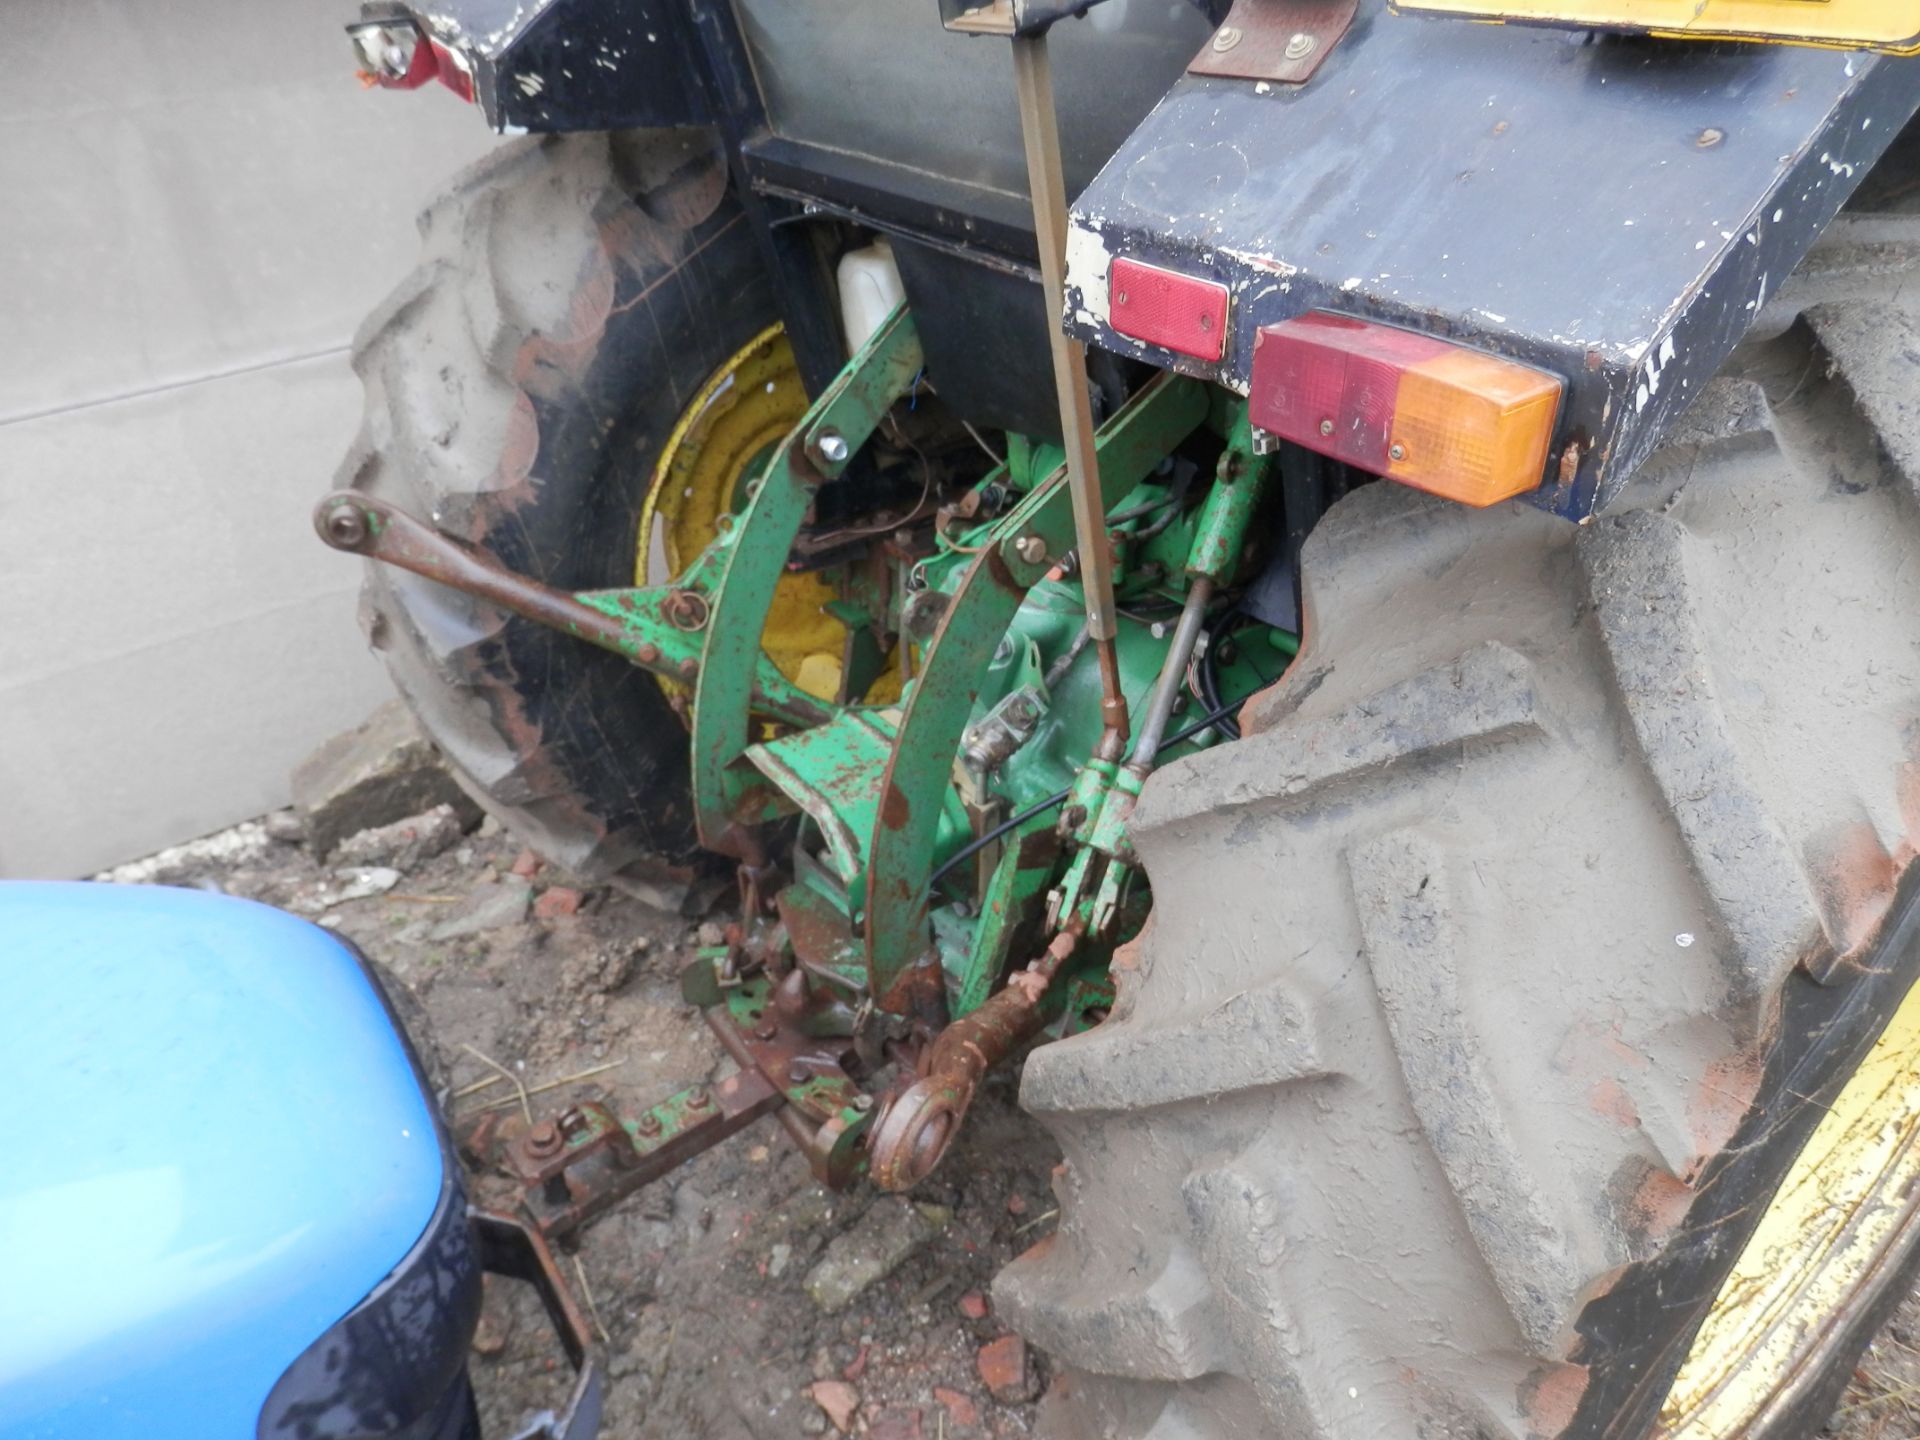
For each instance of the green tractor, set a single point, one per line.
(1377, 646)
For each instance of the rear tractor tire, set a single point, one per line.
(1525, 1009)
(525, 389)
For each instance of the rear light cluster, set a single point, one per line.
(394, 55)
(1440, 417)
(1457, 422)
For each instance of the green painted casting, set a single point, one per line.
(1227, 513)
(750, 557)
(655, 643)
(1009, 904)
(977, 616)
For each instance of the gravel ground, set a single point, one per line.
(700, 1285)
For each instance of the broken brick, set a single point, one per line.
(838, 1399)
(960, 1409)
(556, 902)
(857, 1366)
(525, 864)
(1005, 1371)
(973, 1305)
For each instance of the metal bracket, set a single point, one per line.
(900, 856)
(1279, 40)
(749, 557)
(519, 1252)
(587, 1161)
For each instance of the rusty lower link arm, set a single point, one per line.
(361, 525)
(910, 1139)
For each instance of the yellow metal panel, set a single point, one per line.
(723, 437)
(1847, 1199)
(1889, 25)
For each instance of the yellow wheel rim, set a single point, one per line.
(1834, 1222)
(723, 436)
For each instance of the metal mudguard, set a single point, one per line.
(542, 65)
(1612, 210)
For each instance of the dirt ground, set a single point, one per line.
(700, 1285)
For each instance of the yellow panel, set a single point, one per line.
(727, 430)
(1831, 1226)
(1890, 25)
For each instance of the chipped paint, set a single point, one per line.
(1088, 261)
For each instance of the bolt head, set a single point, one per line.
(863, 1103)
(1397, 451)
(1326, 427)
(648, 652)
(648, 1124)
(833, 447)
(543, 1139)
(1030, 548)
(1300, 45)
(699, 1100)
(1225, 38)
(346, 526)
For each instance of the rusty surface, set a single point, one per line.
(1279, 40)
(602, 1159)
(362, 525)
(812, 1080)
(914, 1134)
(821, 935)
(919, 993)
(518, 1251)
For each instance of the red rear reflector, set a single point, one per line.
(1437, 416)
(1163, 307)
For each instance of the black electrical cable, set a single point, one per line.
(973, 847)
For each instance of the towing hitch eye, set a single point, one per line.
(915, 1131)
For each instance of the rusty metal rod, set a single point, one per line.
(362, 525)
(1047, 187)
(1172, 671)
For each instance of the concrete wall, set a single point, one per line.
(201, 204)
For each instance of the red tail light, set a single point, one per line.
(1441, 417)
(1164, 307)
(394, 55)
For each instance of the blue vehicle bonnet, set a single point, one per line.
(219, 1147)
